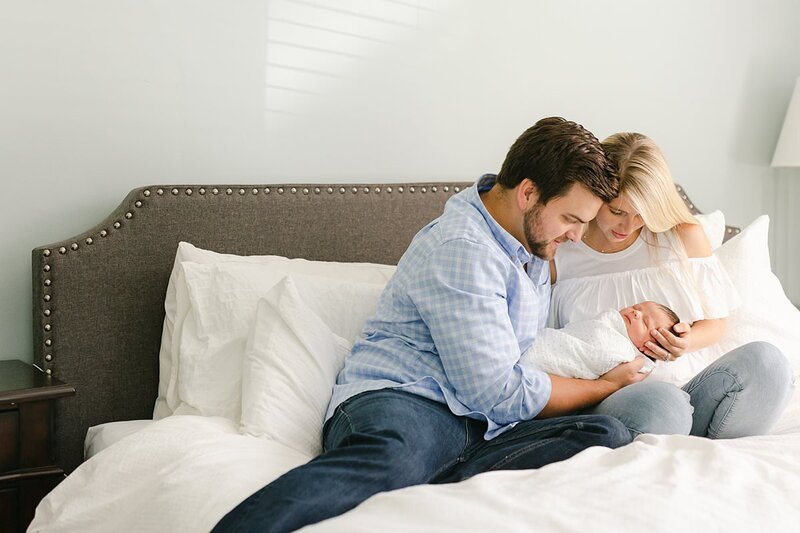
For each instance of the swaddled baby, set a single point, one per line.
(588, 349)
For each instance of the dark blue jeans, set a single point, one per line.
(388, 439)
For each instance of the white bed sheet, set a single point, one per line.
(101, 436)
(183, 473)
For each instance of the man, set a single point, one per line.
(433, 392)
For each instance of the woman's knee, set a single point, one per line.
(763, 366)
(651, 407)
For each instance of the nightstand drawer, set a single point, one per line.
(9, 509)
(9, 444)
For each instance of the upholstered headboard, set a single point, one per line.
(98, 298)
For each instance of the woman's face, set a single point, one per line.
(617, 220)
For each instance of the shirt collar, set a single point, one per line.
(509, 243)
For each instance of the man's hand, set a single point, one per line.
(626, 373)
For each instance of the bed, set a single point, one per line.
(159, 462)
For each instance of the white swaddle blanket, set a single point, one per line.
(584, 349)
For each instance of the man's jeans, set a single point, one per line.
(388, 439)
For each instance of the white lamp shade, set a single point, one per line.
(787, 152)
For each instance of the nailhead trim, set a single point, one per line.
(175, 191)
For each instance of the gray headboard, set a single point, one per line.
(98, 297)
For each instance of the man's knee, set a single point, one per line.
(608, 431)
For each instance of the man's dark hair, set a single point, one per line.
(554, 153)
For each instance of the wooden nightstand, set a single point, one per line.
(27, 457)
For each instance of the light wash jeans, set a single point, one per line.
(742, 393)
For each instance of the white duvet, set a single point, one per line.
(183, 473)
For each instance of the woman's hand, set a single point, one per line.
(671, 344)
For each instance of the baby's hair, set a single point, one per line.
(673, 317)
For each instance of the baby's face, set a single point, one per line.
(641, 319)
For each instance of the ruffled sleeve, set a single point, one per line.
(696, 289)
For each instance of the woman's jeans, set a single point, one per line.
(742, 393)
(388, 439)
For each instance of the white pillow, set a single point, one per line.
(177, 305)
(714, 226)
(302, 333)
(766, 313)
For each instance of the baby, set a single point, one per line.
(590, 348)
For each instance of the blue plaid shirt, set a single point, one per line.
(454, 319)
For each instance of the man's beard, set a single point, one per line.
(530, 223)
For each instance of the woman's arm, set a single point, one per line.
(688, 338)
(684, 337)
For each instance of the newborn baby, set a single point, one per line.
(588, 349)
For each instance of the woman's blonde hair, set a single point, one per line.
(645, 179)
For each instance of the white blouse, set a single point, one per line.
(588, 281)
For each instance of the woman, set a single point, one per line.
(645, 244)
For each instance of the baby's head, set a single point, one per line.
(643, 318)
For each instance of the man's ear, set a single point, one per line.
(527, 194)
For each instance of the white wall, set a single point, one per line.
(100, 96)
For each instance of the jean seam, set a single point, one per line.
(460, 457)
(349, 420)
(733, 402)
(724, 418)
(532, 446)
(507, 459)
(720, 371)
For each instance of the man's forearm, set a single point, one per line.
(569, 395)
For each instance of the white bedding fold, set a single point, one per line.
(183, 473)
